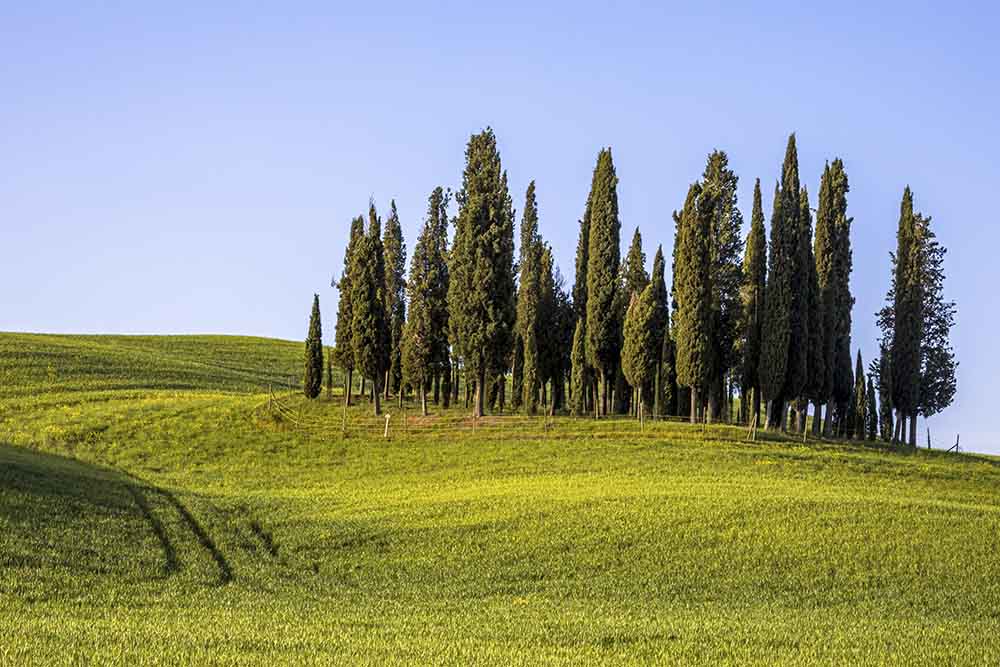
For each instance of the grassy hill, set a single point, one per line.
(153, 510)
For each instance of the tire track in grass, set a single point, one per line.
(225, 570)
(169, 552)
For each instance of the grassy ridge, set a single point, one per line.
(192, 526)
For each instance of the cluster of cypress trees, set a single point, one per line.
(768, 319)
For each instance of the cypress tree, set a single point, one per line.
(579, 362)
(782, 363)
(907, 317)
(419, 335)
(815, 361)
(860, 400)
(313, 383)
(720, 182)
(871, 412)
(693, 329)
(634, 279)
(529, 303)
(580, 295)
(437, 251)
(752, 295)
(549, 327)
(345, 319)
(329, 374)
(370, 332)
(777, 301)
(395, 298)
(603, 257)
(481, 295)
(835, 283)
(937, 364)
(661, 325)
(843, 391)
(639, 352)
(560, 341)
(881, 370)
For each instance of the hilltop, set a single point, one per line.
(154, 510)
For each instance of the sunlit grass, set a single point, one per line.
(147, 520)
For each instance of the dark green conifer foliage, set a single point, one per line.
(345, 319)
(839, 276)
(639, 352)
(777, 303)
(313, 382)
(752, 296)
(633, 272)
(843, 391)
(882, 372)
(419, 334)
(693, 323)
(603, 258)
(907, 320)
(481, 295)
(860, 400)
(720, 183)
(937, 358)
(529, 306)
(661, 325)
(634, 279)
(549, 331)
(871, 412)
(370, 333)
(815, 362)
(329, 374)
(395, 298)
(578, 393)
(437, 252)
(782, 366)
(669, 393)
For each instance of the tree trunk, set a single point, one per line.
(387, 384)
(363, 393)
(803, 415)
(348, 389)
(437, 387)
(480, 393)
(694, 405)
(817, 426)
(377, 399)
(423, 399)
(913, 430)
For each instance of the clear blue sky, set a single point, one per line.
(191, 169)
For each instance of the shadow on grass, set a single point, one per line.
(47, 492)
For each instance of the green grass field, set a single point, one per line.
(154, 511)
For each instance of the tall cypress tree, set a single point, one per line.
(481, 295)
(634, 279)
(937, 358)
(813, 316)
(529, 303)
(693, 322)
(437, 250)
(871, 412)
(370, 332)
(418, 332)
(345, 319)
(860, 400)
(782, 364)
(603, 258)
(720, 182)
(313, 383)
(639, 353)
(835, 285)
(395, 299)
(881, 370)
(580, 297)
(907, 317)
(661, 325)
(752, 295)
